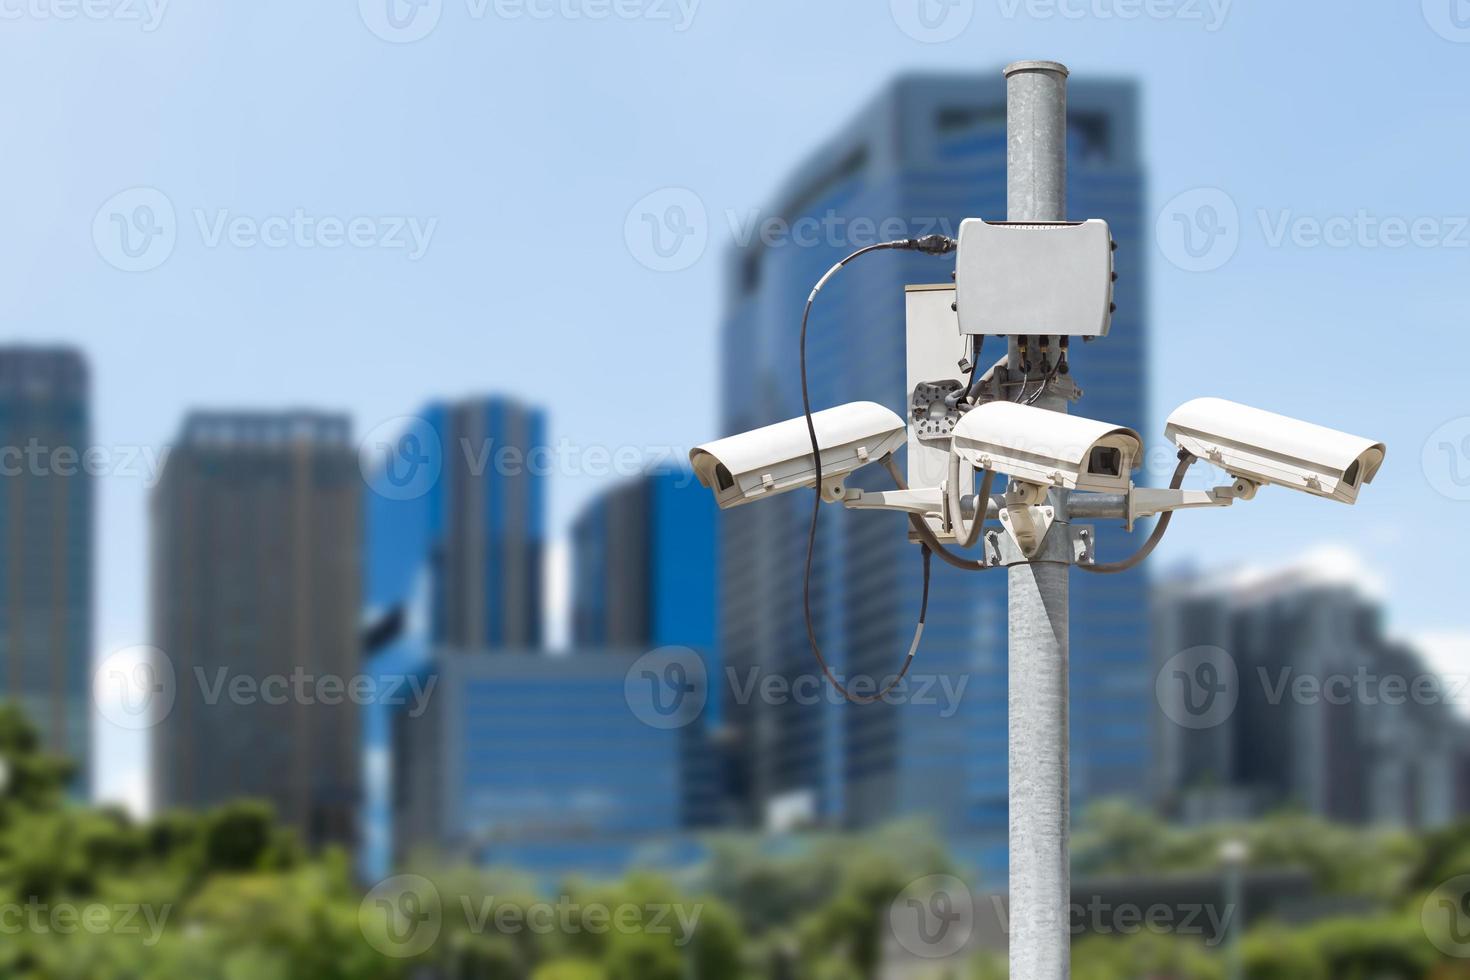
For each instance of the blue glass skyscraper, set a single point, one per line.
(645, 577)
(929, 151)
(644, 568)
(455, 544)
(456, 518)
(541, 763)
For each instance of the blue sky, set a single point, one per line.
(327, 213)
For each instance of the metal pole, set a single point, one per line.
(1234, 904)
(1040, 872)
(1234, 853)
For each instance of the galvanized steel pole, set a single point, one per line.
(1040, 873)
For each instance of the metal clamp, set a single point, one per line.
(931, 425)
(1065, 544)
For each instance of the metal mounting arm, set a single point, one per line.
(1141, 502)
(1148, 501)
(925, 502)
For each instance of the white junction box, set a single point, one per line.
(935, 346)
(1035, 278)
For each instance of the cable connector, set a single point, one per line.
(932, 244)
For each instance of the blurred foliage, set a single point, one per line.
(1117, 838)
(92, 894)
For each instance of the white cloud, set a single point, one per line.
(1330, 563)
(557, 601)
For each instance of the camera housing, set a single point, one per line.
(767, 461)
(1046, 448)
(1276, 449)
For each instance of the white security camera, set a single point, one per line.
(1045, 448)
(1275, 449)
(771, 460)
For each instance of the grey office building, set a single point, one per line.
(256, 528)
(46, 522)
(1315, 707)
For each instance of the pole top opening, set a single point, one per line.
(1016, 67)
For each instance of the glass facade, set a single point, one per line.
(645, 569)
(927, 153)
(455, 531)
(46, 522)
(256, 562)
(645, 574)
(469, 537)
(538, 762)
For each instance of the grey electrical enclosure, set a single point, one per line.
(1035, 278)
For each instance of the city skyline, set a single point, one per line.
(384, 384)
(1333, 299)
(1191, 142)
